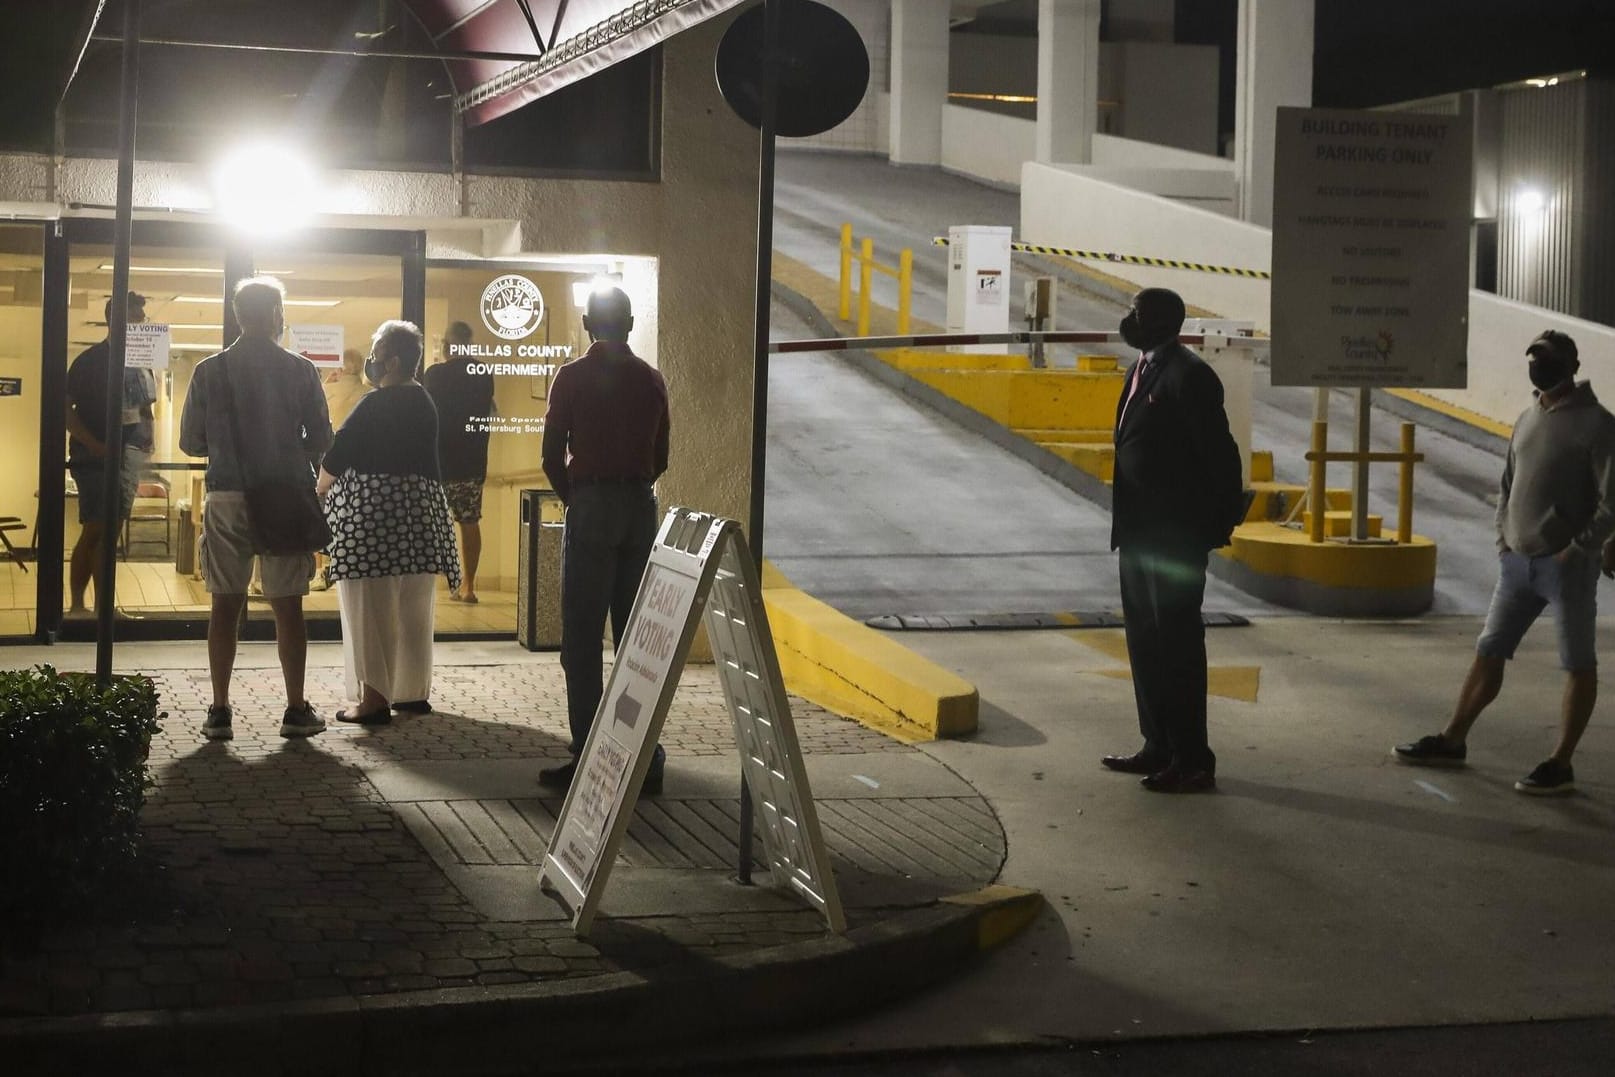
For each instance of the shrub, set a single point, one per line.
(72, 782)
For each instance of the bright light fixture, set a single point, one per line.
(1530, 201)
(265, 188)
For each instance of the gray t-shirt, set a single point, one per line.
(282, 423)
(1558, 484)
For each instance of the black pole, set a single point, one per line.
(118, 323)
(49, 538)
(759, 389)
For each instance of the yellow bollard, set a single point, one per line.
(1317, 500)
(866, 258)
(846, 271)
(905, 289)
(1404, 493)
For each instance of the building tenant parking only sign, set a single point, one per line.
(1371, 222)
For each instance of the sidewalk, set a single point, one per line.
(367, 884)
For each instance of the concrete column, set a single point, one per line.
(919, 80)
(1067, 80)
(1274, 69)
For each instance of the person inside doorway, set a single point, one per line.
(464, 402)
(87, 449)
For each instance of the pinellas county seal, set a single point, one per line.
(512, 307)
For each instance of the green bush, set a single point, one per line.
(72, 781)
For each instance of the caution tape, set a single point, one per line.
(1129, 259)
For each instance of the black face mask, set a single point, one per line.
(372, 371)
(1131, 332)
(1548, 372)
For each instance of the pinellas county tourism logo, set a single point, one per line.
(512, 307)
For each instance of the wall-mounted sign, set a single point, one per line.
(319, 344)
(1371, 221)
(146, 346)
(10, 386)
(512, 307)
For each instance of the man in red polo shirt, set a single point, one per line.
(605, 444)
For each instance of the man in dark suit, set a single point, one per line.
(1178, 494)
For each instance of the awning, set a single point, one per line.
(572, 39)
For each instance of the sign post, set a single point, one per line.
(700, 563)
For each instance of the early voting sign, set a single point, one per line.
(1371, 221)
(699, 566)
(146, 345)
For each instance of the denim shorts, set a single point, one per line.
(1528, 585)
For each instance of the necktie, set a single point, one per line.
(1132, 386)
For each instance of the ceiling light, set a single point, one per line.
(289, 302)
(1529, 201)
(106, 267)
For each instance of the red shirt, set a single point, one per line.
(607, 419)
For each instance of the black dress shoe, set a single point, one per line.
(1175, 779)
(1137, 763)
(414, 706)
(558, 777)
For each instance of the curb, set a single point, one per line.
(512, 1030)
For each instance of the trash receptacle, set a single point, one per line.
(185, 542)
(538, 571)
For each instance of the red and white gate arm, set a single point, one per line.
(1064, 336)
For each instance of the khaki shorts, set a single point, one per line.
(227, 553)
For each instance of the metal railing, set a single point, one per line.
(1320, 457)
(864, 255)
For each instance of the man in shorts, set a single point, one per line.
(1555, 517)
(268, 401)
(87, 449)
(464, 402)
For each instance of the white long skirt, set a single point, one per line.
(387, 635)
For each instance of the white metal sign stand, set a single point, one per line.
(699, 562)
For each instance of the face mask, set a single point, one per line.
(1130, 331)
(1548, 372)
(372, 370)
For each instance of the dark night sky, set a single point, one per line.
(1367, 52)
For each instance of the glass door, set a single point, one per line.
(22, 266)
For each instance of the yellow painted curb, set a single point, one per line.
(1453, 411)
(832, 660)
(1280, 551)
(1011, 911)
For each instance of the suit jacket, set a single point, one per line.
(1178, 478)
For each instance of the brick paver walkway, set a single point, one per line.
(284, 874)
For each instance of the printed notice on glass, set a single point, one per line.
(146, 346)
(1371, 222)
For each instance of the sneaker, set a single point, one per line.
(1551, 778)
(302, 721)
(217, 726)
(1432, 751)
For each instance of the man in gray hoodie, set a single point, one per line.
(1555, 518)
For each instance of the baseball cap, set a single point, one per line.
(1555, 343)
